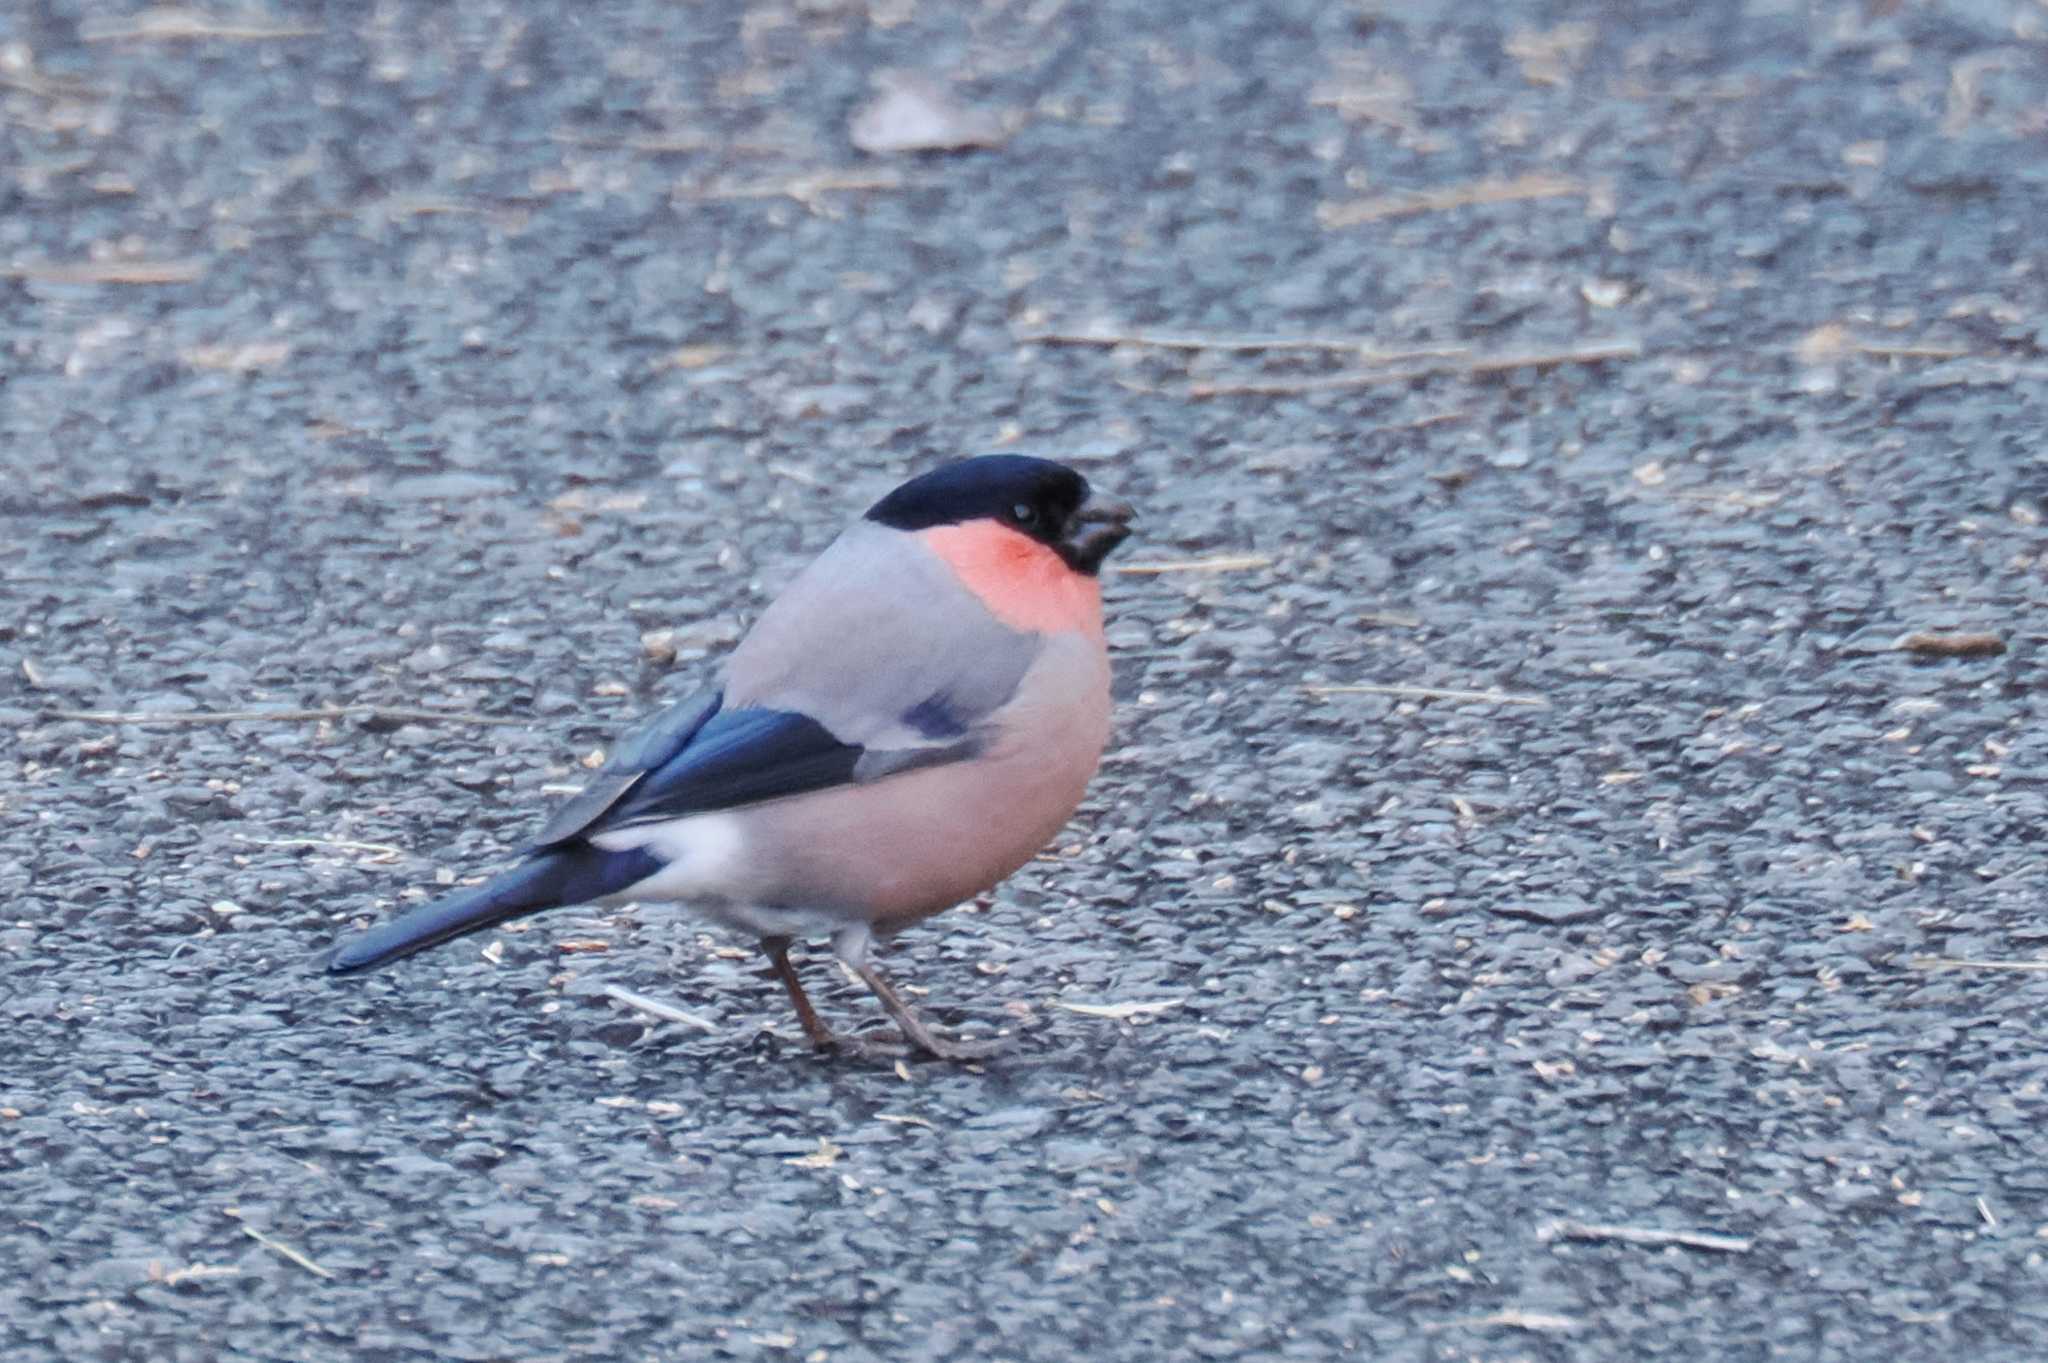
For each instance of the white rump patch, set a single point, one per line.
(709, 869)
(706, 856)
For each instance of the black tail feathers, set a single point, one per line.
(574, 874)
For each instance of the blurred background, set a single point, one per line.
(1567, 881)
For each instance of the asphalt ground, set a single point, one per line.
(1648, 402)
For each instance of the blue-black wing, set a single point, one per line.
(643, 749)
(696, 758)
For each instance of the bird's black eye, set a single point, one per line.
(1025, 514)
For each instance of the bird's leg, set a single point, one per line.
(777, 949)
(914, 1030)
(851, 945)
(822, 1037)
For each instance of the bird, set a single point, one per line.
(913, 718)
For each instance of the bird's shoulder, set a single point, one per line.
(873, 662)
(877, 636)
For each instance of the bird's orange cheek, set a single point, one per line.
(1023, 583)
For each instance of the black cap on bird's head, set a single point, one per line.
(1037, 497)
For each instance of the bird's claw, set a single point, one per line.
(893, 1046)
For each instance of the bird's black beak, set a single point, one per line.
(1096, 528)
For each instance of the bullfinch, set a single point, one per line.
(908, 723)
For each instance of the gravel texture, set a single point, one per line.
(495, 362)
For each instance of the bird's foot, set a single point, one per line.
(881, 1047)
(914, 1030)
(958, 1050)
(916, 1037)
(886, 1045)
